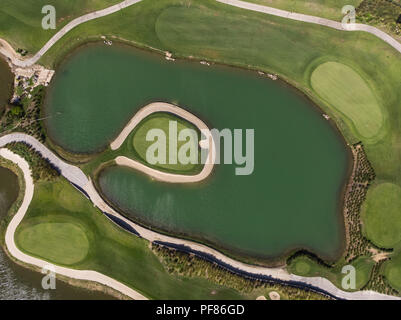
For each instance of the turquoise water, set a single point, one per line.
(291, 200)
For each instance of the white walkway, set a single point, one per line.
(316, 20)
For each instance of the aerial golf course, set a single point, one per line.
(295, 198)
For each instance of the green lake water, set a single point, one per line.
(293, 197)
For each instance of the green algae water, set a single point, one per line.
(293, 198)
(17, 282)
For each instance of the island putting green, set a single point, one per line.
(348, 92)
(305, 266)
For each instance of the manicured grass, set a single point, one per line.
(111, 251)
(21, 20)
(329, 9)
(392, 271)
(382, 215)
(162, 121)
(346, 91)
(216, 32)
(304, 266)
(62, 242)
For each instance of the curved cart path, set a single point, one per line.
(87, 275)
(207, 143)
(316, 20)
(9, 52)
(75, 175)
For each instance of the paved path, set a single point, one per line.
(208, 143)
(9, 52)
(74, 173)
(5, 48)
(316, 20)
(87, 275)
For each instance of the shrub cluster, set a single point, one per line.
(361, 177)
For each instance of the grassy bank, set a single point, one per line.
(216, 32)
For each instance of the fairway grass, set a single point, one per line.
(382, 215)
(346, 91)
(111, 251)
(63, 243)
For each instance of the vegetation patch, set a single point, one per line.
(361, 177)
(24, 114)
(243, 38)
(41, 168)
(345, 90)
(64, 243)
